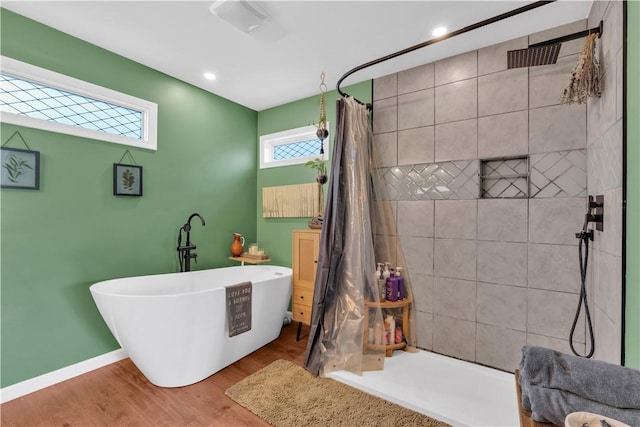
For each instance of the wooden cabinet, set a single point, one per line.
(306, 246)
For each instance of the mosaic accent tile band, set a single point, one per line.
(430, 181)
(550, 175)
(559, 174)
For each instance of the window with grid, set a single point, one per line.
(291, 147)
(35, 97)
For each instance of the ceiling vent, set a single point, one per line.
(239, 13)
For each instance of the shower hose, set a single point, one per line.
(584, 238)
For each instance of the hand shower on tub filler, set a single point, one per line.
(184, 251)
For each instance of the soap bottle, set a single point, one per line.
(391, 322)
(386, 272)
(400, 280)
(392, 289)
(378, 333)
(381, 282)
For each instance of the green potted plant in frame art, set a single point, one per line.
(20, 169)
(127, 180)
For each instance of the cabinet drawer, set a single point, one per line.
(301, 313)
(302, 295)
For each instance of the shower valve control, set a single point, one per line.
(596, 211)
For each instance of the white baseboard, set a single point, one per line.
(34, 384)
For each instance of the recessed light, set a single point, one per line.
(209, 76)
(440, 31)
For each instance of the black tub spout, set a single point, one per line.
(184, 251)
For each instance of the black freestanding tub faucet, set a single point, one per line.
(184, 251)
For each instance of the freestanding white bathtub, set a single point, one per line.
(174, 326)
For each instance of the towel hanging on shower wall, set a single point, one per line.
(585, 78)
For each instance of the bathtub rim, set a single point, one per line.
(99, 288)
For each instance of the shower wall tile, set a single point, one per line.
(457, 101)
(503, 92)
(555, 220)
(494, 58)
(568, 48)
(554, 267)
(424, 333)
(454, 337)
(454, 298)
(417, 78)
(446, 180)
(386, 145)
(499, 347)
(418, 254)
(503, 220)
(609, 240)
(607, 107)
(385, 87)
(605, 161)
(385, 113)
(596, 14)
(612, 43)
(385, 216)
(456, 68)
(607, 273)
(416, 145)
(551, 314)
(558, 174)
(415, 109)
(422, 287)
(608, 338)
(559, 127)
(557, 344)
(456, 219)
(512, 301)
(501, 262)
(455, 258)
(415, 218)
(385, 248)
(547, 83)
(503, 135)
(456, 140)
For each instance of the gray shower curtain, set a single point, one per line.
(346, 263)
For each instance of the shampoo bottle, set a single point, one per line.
(392, 289)
(400, 280)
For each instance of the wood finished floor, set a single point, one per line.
(119, 395)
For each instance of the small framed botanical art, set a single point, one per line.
(127, 180)
(20, 169)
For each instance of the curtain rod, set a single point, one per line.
(466, 29)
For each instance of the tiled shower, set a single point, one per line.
(488, 176)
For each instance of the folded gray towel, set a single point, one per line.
(612, 385)
(552, 405)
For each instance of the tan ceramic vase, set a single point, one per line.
(238, 244)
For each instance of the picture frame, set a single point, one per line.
(20, 169)
(127, 180)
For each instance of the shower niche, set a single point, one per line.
(504, 178)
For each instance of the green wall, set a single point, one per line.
(274, 234)
(632, 323)
(73, 232)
